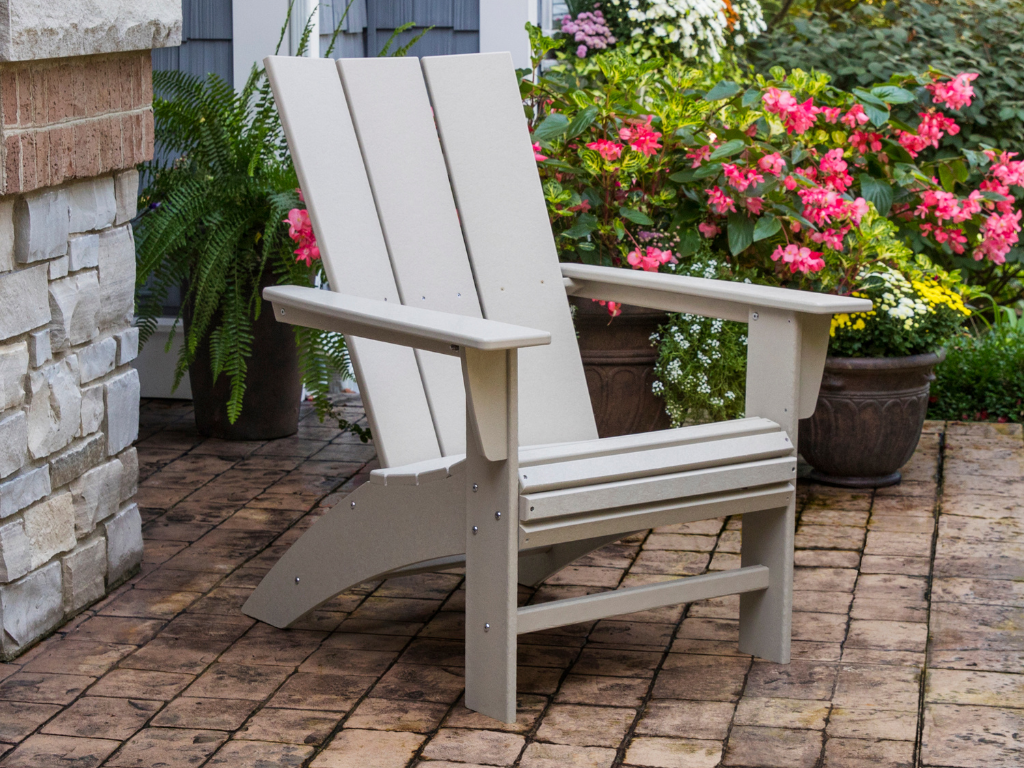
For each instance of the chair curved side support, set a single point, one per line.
(428, 522)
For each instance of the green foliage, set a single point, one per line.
(872, 42)
(702, 362)
(982, 377)
(213, 222)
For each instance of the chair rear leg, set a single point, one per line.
(766, 616)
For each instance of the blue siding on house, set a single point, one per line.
(456, 25)
(205, 41)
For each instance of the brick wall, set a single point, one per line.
(72, 131)
(74, 118)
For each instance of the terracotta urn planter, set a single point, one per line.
(868, 420)
(619, 359)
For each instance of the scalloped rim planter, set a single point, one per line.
(868, 420)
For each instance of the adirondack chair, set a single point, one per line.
(425, 198)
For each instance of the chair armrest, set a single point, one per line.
(396, 323)
(695, 295)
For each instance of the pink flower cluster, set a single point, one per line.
(932, 128)
(833, 169)
(590, 30)
(699, 155)
(998, 236)
(864, 140)
(300, 229)
(741, 178)
(955, 94)
(719, 201)
(773, 164)
(609, 150)
(614, 307)
(946, 206)
(641, 136)
(953, 235)
(650, 259)
(536, 153)
(799, 258)
(795, 116)
(856, 116)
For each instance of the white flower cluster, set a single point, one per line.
(697, 27)
(900, 301)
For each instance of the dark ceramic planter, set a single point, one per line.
(619, 359)
(868, 419)
(273, 387)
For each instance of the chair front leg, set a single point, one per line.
(777, 343)
(492, 532)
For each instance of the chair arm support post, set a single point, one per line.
(785, 360)
(492, 530)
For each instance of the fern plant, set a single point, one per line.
(213, 223)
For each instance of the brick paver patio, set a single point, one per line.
(908, 634)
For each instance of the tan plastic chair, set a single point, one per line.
(448, 289)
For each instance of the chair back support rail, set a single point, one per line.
(423, 191)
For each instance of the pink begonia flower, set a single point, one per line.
(789, 183)
(946, 206)
(799, 258)
(536, 153)
(833, 238)
(609, 150)
(833, 169)
(998, 236)
(641, 136)
(614, 307)
(854, 117)
(302, 199)
(930, 130)
(773, 164)
(955, 237)
(1007, 170)
(831, 114)
(699, 155)
(993, 185)
(708, 229)
(741, 178)
(650, 259)
(300, 229)
(864, 140)
(795, 116)
(719, 201)
(754, 204)
(955, 94)
(822, 206)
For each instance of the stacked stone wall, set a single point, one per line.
(72, 132)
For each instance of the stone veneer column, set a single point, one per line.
(75, 119)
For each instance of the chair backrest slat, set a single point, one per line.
(391, 113)
(316, 118)
(504, 220)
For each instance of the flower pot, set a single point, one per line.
(619, 359)
(273, 386)
(868, 419)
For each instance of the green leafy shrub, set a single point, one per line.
(872, 42)
(982, 378)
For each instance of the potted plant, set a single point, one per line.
(605, 172)
(875, 390)
(221, 219)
